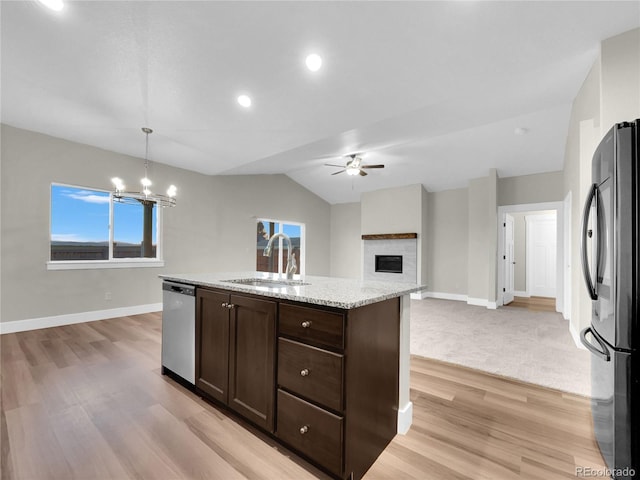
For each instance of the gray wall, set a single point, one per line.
(346, 242)
(398, 210)
(620, 76)
(240, 199)
(608, 95)
(392, 210)
(424, 265)
(447, 239)
(483, 242)
(211, 229)
(537, 188)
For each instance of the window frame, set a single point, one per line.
(112, 262)
(303, 240)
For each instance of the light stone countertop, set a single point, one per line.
(334, 292)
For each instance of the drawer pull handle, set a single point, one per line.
(304, 372)
(304, 429)
(306, 324)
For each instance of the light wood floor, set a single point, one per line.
(88, 401)
(539, 304)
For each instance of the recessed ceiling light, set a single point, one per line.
(55, 5)
(244, 100)
(314, 62)
(521, 131)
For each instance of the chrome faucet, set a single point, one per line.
(291, 260)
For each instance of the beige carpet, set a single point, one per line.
(531, 346)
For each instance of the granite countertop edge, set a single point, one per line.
(328, 291)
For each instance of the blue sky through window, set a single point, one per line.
(82, 215)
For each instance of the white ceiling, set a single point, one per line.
(434, 90)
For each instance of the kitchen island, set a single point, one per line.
(320, 363)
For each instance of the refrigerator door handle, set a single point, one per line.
(585, 222)
(604, 353)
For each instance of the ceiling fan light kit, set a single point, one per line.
(354, 166)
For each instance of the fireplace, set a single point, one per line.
(390, 257)
(389, 263)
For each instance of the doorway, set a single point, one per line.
(531, 252)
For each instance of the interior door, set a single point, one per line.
(541, 255)
(509, 260)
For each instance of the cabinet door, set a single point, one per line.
(212, 343)
(251, 359)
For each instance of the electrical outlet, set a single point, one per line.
(107, 295)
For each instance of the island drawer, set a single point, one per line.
(311, 324)
(311, 430)
(311, 372)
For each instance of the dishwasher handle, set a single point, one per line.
(180, 288)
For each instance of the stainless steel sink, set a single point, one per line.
(265, 282)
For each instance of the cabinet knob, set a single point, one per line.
(304, 429)
(304, 372)
(230, 306)
(306, 324)
(225, 305)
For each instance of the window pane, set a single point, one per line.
(278, 257)
(128, 230)
(294, 233)
(79, 224)
(266, 264)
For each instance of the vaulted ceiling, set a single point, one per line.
(434, 90)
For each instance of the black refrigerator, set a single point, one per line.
(611, 266)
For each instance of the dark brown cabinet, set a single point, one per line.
(338, 383)
(323, 380)
(235, 349)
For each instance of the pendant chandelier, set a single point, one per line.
(146, 196)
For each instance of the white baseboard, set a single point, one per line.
(576, 337)
(445, 296)
(418, 295)
(71, 318)
(482, 302)
(521, 294)
(405, 418)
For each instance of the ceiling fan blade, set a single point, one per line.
(339, 171)
(371, 166)
(333, 165)
(363, 173)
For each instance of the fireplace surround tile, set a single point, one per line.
(407, 248)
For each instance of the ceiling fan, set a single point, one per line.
(354, 166)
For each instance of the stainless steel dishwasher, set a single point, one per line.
(179, 330)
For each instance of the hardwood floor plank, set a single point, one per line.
(250, 451)
(18, 387)
(140, 457)
(10, 348)
(88, 401)
(84, 448)
(194, 459)
(6, 465)
(34, 448)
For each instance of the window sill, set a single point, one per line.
(99, 264)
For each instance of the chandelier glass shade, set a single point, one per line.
(145, 195)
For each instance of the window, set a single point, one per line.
(277, 262)
(90, 228)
